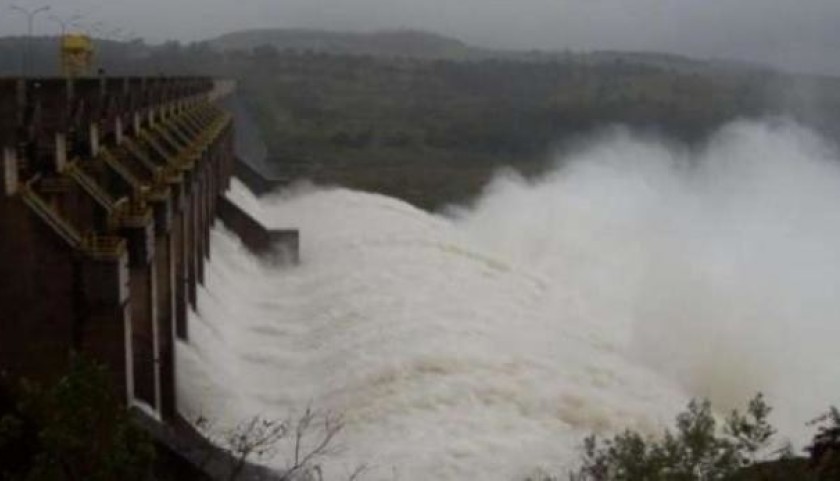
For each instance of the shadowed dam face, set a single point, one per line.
(486, 342)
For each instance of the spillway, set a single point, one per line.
(486, 342)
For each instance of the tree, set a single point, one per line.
(825, 449)
(698, 450)
(258, 439)
(74, 429)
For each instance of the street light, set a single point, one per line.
(30, 16)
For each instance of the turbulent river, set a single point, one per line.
(487, 341)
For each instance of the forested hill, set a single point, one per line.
(427, 45)
(391, 43)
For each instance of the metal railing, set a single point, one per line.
(171, 158)
(104, 247)
(102, 197)
(120, 169)
(49, 215)
(141, 155)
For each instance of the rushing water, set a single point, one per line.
(486, 342)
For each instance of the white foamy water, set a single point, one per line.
(488, 342)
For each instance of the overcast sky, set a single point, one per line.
(803, 34)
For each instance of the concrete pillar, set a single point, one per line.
(107, 339)
(10, 172)
(214, 186)
(209, 195)
(179, 259)
(190, 240)
(143, 303)
(164, 267)
(200, 225)
(143, 332)
(60, 151)
(94, 139)
(119, 135)
(198, 237)
(181, 277)
(106, 334)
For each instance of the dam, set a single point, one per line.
(110, 187)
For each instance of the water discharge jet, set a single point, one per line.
(489, 341)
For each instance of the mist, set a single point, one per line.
(723, 260)
(487, 341)
(798, 35)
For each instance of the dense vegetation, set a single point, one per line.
(697, 450)
(73, 429)
(741, 447)
(433, 131)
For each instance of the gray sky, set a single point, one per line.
(789, 33)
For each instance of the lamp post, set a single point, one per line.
(30, 16)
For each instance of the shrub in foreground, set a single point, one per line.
(698, 449)
(71, 430)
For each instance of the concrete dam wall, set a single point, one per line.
(108, 190)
